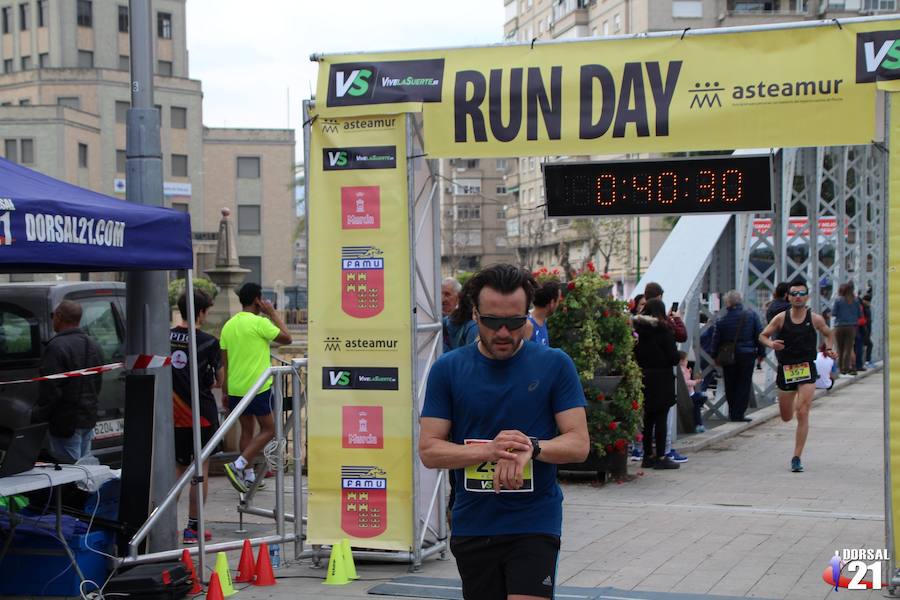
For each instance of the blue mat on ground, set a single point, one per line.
(412, 586)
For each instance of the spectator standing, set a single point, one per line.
(780, 302)
(698, 398)
(245, 355)
(210, 374)
(460, 328)
(867, 335)
(450, 289)
(741, 327)
(846, 313)
(546, 299)
(637, 305)
(70, 404)
(656, 354)
(501, 414)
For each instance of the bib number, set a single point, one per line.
(799, 373)
(480, 477)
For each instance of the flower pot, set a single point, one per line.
(610, 465)
(606, 384)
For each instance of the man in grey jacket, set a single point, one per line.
(70, 404)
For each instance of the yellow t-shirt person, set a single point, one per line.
(246, 338)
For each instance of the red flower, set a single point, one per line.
(591, 267)
(609, 448)
(601, 397)
(571, 285)
(639, 437)
(620, 444)
(555, 271)
(613, 425)
(610, 348)
(605, 313)
(605, 276)
(635, 405)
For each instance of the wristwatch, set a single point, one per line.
(535, 447)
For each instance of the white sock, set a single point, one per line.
(249, 475)
(240, 463)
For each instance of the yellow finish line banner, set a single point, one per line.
(791, 87)
(360, 379)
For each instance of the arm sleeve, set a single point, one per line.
(678, 328)
(670, 348)
(50, 391)
(438, 393)
(567, 390)
(267, 329)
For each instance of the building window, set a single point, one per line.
(120, 161)
(164, 68)
(11, 150)
(178, 117)
(179, 165)
(85, 59)
(24, 101)
(43, 13)
(248, 219)
(24, 20)
(254, 263)
(21, 151)
(605, 27)
(122, 111)
(26, 63)
(124, 62)
(501, 212)
(164, 25)
(501, 189)
(43, 60)
(85, 13)
(123, 19)
(466, 187)
(691, 9)
(82, 155)
(6, 17)
(26, 148)
(70, 101)
(8, 65)
(180, 206)
(468, 212)
(502, 164)
(617, 23)
(248, 167)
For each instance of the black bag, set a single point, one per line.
(157, 581)
(727, 350)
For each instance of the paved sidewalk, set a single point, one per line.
(733, 521)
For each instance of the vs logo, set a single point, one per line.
(339, 379)
(357, 83)
(337, 158)
(877, 56)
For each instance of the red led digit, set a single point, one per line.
(706, 186)
(606, 189)
(646, 188)
(732, 185)
(666, 187)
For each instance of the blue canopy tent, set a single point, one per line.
(47, 225)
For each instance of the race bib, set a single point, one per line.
(480, 477)
(799, 373)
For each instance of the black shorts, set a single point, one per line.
(184, 443)
(492, 567)
(792, 387)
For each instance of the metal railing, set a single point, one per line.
(281, 536)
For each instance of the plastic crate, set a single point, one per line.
(37, 564)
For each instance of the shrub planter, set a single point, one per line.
(612, 465)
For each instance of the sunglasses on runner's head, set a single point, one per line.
(799, 293)
(497, 323)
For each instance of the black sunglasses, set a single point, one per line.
(497, 323)
(799, 293)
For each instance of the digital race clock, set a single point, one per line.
(720, 184)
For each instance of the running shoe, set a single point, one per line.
(190, 536)
(699, 429)
(666, 463)
(675, 457)
(648, 462)
(796, 465)
(236, 477)
(637, 453)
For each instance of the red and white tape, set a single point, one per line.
(138, 361)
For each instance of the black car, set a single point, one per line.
(26, 327)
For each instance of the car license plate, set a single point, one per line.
(109, 429)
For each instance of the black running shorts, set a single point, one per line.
(184, 443)
(492, 567)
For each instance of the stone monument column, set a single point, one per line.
(227, 275)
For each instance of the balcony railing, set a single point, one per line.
(564, 8)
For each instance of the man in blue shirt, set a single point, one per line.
(546, 299)
(502, 413)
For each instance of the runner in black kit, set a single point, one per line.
(795, 346)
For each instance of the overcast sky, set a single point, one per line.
(248, 54)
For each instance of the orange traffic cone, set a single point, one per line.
(196, 587)
(215, 588)
(264, 573)
(245, 566)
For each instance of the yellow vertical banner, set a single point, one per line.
(360, 393)
(892, 298)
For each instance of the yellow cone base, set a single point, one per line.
(337, 573)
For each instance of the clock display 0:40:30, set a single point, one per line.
(706, 186)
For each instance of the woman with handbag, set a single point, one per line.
(847, 313)
(736, 349)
